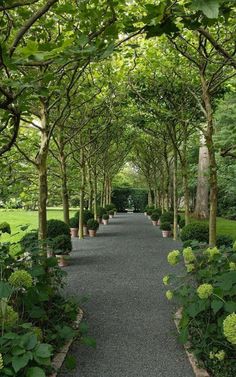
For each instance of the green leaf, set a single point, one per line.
(5, 289)
(70, 362)
(216, 305)
(230, 306)
(19, 362)
(35, 372)
(209, 7)
(183, 336)
(43, 350)
(91, 342)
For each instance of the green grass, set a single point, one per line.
(17, 217)
(227, 227)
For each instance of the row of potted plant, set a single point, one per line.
(164, 220)
(91, 225)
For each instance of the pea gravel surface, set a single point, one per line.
(121, 272)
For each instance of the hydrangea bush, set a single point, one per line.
(206, 292)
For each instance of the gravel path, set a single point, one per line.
(121, 271)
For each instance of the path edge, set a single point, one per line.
(199, 372)
(59, 358)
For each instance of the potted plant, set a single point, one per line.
(149, 213)
(155, 218)
(100, 212)
(74, 227)
(61, 246)
(105, 219)
(111, 214)
(93, 226)
(166, 229)
(115, 210)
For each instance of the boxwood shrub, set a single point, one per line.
(224, 240)
(195, 231)
(61, 244)
(56, 228)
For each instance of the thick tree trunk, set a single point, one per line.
(201, 208)
(41, 163)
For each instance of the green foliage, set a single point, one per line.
(110, 207)
(73, 222)
(101, 211)
(105, 216)
(29, 241)
(57, 228)
(124, 197)
(61, 244)
(86, 216)
(206, 294)
(29, 300)
(167, 217)
(155, 216)
(224, 240)
(93, 224)
(182, 223)
(165, 226)
(5, 228)
(111, 212)
(23, 354)
(195, 231)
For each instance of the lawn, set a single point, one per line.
(16, 218)
(224, 226)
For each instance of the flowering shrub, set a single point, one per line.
(20, 279)
(206, 292)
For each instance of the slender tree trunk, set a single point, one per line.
(82, 189)
(212, 161)
(64, 188)
(91, 193)
(95, 194)
(201, 208)
(175, 196)
(43, 194)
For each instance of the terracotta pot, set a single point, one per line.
(85, 230)
(149, 217)
(154, 223)
(159, 222)
(111, 216)
(145, 213)
(105, 222)
(74, 232)
(115, 213)
(92, 233)
(62, 261)
(166, 233)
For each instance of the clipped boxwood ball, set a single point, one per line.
(61, 244)
(56, 228)
(195, 231)
(5, 228)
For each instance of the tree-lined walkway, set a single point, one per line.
(121, 271)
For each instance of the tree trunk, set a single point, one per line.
(41, 162)
(95, 194)
(64, 188)
(212, 161)
(201, 209)
(43, 194)
(175, 196)
(82, 189)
